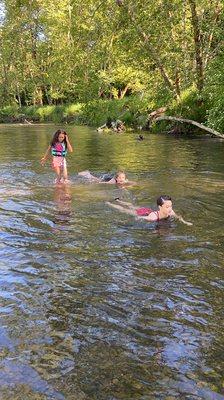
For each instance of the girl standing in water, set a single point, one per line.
(58, 148)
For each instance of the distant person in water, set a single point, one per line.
(58, 148)
(116, 126)
(164, 211)
(119, 178)
(140, 137)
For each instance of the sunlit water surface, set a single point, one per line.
(95, 304)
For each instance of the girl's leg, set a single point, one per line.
(65, 171)
(58, 173)
(88, 175)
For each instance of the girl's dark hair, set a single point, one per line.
(161, 199)
(55, 137)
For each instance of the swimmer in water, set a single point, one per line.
(119, 179)
(164, 211)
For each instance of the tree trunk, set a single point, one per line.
(198, 46)
(123, 92)
(177, 82)
(189, 121)
(153, 52)
(207, 52)
(18, 96)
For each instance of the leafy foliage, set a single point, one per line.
(70, 52)
(214, 92)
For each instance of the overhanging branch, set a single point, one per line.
(189, 121)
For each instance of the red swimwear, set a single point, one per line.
(144, 212)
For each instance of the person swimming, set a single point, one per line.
(164, 211)
(119, 178)
(116, 126)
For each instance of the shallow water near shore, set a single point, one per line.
(95, 305)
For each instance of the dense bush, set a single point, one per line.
(190, 106)
(133, 110)
(8, 112)
(214, 92)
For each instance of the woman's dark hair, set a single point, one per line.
(161, 199)
(56, 135)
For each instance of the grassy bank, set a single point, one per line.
(36, 114)
(132, 110)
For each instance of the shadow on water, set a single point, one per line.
(93, 303)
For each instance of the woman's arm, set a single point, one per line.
(152, 217)
(43, 159)
(180, 218)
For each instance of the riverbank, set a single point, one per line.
(134, 111)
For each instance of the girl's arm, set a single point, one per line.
(69, 146)
(122, 185)
(180, 218)
(130, 183)
(43, 159)
(110, 182)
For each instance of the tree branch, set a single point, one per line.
(153, 52)
(210, 37)
(190, 121)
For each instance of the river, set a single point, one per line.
(95, 305)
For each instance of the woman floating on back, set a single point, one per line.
(58, 148)
(164, 210)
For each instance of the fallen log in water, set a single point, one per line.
(189, 121)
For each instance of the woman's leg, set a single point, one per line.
(122, 209)
(125, 203)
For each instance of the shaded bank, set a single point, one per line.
(133, 111)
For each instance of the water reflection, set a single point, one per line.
(63, 201)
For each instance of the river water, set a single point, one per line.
(93, 303)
